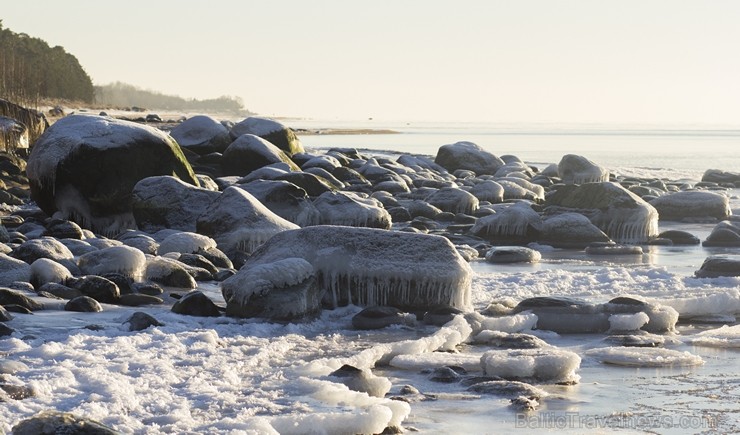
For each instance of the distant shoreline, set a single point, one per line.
(342, 131)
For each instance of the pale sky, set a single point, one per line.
(570, 61)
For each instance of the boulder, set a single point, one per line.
(719, 265)
(270, 130)
(719, 176)
(453, 200)
(619, 213)
(249, 152)
(85, 168)
(725, 233)
(239, 222)
(574, 169)
(350, 209)
(468, 156)
(197, 304)
(167, 202)
(488, 190)
(286, 200)
(515, 224)
(12, 270)
(201, 134)
(125, 260)
(512, 254)
(83, 304)
(570, 231)
(364, 266)
(692, 204)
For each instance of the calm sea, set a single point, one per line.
(667, 152)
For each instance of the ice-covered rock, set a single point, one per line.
(512, 254)
(644, 357)
(269, 129)
(44, 247)
(621, 214)
(239, 222)
(719, 176)
(201, 134)
(469, 156)
(286, 200)
(169, 272)
(513, 224)
(508, 389)
(167, 202)
(12, 269)
(566, 315)
(505, 340)
(488, 190)
(85, 167)
(692, 204)
(570, 231)
(362, 380)
(574, 169)
(250, 152)
(363, 266)
(544, 364)
(350, 209)
(186, 243)
(284, 290)
(44, 270)
(453, 200)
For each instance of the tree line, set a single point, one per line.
(31, 70)
(125, 95)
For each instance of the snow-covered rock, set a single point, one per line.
(350, 209)
(692, 204)
(574, 169)
(85, 167)
(201, 134)
(511, 224)
(124, 260)
(453, 200)
(363, 266)
(166, 202)
(621, 214)
(286, 200)
(12, 269)
(570, 230)
(488, 190)
(469, 156)
(239, 222)
(186, 243)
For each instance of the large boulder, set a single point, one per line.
(570, 231)
(468, 156)
(270, 130)
(286, 200)
(85, 167)
(621, 214)
(166, 202)
(347, 208)
(692, 204)
(250, 152)
(574, 169)
(202, 134)
(239, 222)
(719, 265)
(361, 266)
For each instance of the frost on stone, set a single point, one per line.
(545, 364)
(166, 202)
(621, 214)
(239, 222)
(364, 266)
(264, 278)
(125, 260)
(534, 192)
(186, 243)
(517, 223)
(574, 169)
(692, 204)
(286, 200)
(12, 269)
(453, 200)
(570, 230)
(350, 209)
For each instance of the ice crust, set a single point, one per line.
(375, 267)
(546, 364)
(644, 357)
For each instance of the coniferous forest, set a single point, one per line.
(31, 70)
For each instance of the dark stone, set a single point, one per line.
(140, 321)
(121, 281)
(440, 316)
(63, 229)
(10, 297)
(719, 265)
(445, 375)
(101, 289)
(57, 290)
(507, 389)
(377, 317)
(147, 288)
(83, 304)
(5, 330)
(196, 303)
(249, 152)
(679, 237)
(14, 308)
(4, 314)
(44, 247)
(137, 300)
(312, 184)
(224, 274)
(549, 301)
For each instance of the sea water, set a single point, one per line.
(205, 375)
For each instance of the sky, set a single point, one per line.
(564, 61)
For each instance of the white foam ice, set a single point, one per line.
(544, 364)
(725, 336)
(644, 357)
(628, 322)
